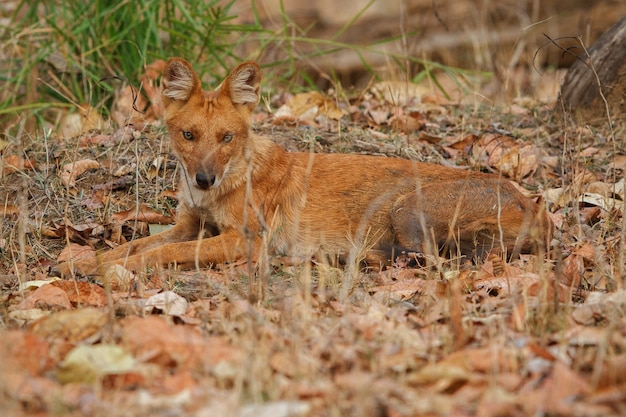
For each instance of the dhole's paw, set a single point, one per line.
(65, 269)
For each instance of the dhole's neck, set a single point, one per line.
(268, 158)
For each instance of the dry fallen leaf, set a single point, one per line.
(399, 93)
(143, 213)
(486, 359)
(613, 371)
(13, 163)
(88, 364)
(83, 234)
(511, 281)
(307, 106)
(82, 121)
(168, 302)
(572, 270)
(276, 409)
(409, 122)
(519, 161)
(152, 90)
(28, 315)
(47, 297)
(378, 116)
(23, 352)
(155, 341)
(552, 393)
(605, 202)
(100, 139)
(488, 150)
(119, 278)
(82, 293)
(590, 314)
(129, 107)
(404, 290)
(73, 170)
(71, 325)
(442, 375)
(29, 285)
(143, 106)
(3, 144)
(76, 252)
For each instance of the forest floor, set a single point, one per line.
(539, 335)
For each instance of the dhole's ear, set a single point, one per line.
(243, 85)
(179, 80)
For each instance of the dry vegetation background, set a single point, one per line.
(540, 335)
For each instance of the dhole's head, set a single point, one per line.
(209, 130)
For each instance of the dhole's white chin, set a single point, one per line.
(197, 197)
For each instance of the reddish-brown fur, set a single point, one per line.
(239, 189)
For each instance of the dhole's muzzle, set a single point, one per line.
(205, 179)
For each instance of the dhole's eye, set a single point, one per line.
(187, 135)
(227, 137)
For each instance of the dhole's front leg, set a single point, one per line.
(176, 233)
(228, 246)
(166, 248)
(191, 225)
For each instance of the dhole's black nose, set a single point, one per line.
(203, 181)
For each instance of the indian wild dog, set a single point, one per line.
(237, 186)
